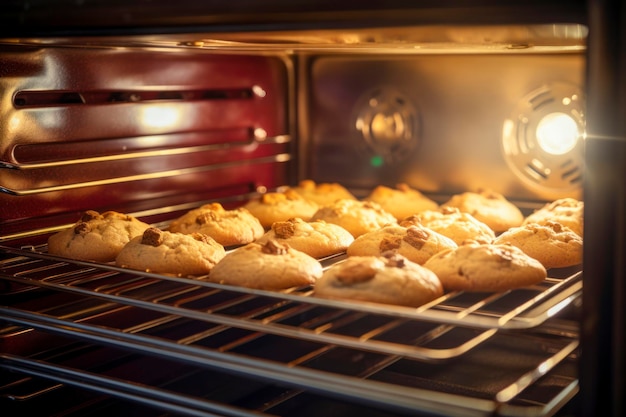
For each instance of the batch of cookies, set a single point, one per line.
(401, 247)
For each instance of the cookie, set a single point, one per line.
(450, 222)
(552, 244)
(485, 267)
(322, 193)
(279, 207)
(401, 202)
(227, 227)
(96, 237)
(267, 266)
(489, 207)
(171, 253)
(316, 238)
(415, 243)
(387, 280)
(356, 216)
(567, 211)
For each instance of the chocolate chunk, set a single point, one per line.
(557, 227)
(207, 217)
(201, 237)
(389, 243)
(284, 230)
(416, 237)
(394, 260)
(152, 236)
(90, 215)
(272, 247)
(412, 220)
(81, 228)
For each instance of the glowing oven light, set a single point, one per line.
(557, 133)
(160, 117)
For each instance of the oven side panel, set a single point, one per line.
(110, 128)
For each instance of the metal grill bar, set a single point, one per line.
(452, 309)
(284, 157)
(151, 396)
(225, 326)
(261, 138)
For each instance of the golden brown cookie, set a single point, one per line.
(278, 207)
(552, 244)
(227, 227)
(567, 211)
(316, 238)
(485, 267)
(267, 266)
(357, 217)
(96, 237)
(322, 193)
(416, 243)
(489, 207)
(401, 202)
(171, 253)
(450, 222)
(388, 280)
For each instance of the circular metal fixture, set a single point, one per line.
(542, 140)
(388, 124)
(557, 133)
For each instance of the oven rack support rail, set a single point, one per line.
(447, 330)
(524, 308)
(403, 399)
(473, 321)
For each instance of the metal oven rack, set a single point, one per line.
(189, 347)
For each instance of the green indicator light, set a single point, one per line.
(376, 161)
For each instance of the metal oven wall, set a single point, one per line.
(134, 129)
(438, 121)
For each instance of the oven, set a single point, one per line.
(154, 108)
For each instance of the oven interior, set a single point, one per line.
(155, 125)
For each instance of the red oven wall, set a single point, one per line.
(109, 128)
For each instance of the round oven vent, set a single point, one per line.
(388, 124)
(543, 139)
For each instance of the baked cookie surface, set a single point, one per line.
(171, 253)
(402, 201)
(267, 266)
(315, 238)
(416, 243)
(279, 207)
(356, 216)
(486, 267)
(552, 244)
(388, 280)
(96, 237)
(227, 227)
(489, 207)
(567, 211)
(451, 222)
(322, 193)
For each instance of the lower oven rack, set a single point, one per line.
(285, 339)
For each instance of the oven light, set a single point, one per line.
(557, 133)
(160, 117)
